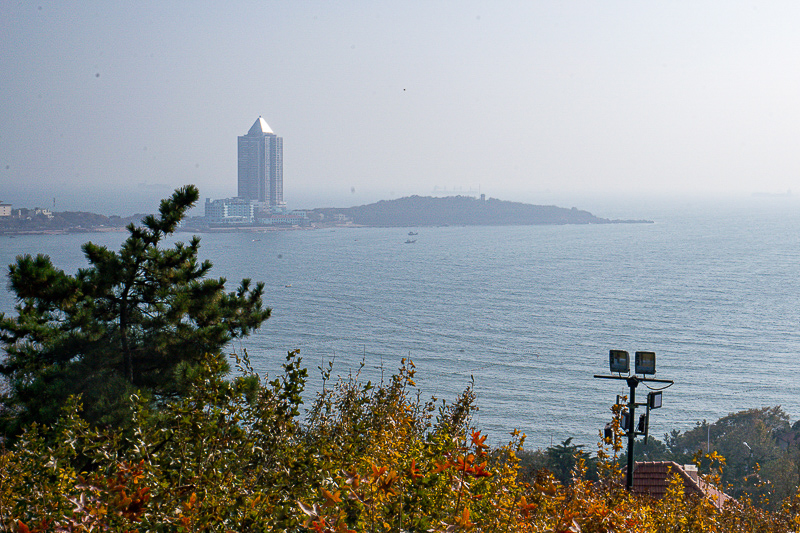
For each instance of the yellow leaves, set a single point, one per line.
(393, 471)
(716, 457)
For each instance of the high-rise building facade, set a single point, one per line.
(261, 166)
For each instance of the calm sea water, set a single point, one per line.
(530, 313)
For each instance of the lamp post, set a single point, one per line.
(749, 458)
(645, 364)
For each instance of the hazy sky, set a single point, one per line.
(105, 105)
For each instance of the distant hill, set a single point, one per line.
(460, 211)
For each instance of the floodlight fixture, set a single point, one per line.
(654, 399)
(626, 421)
(645, 363)
(619, 361)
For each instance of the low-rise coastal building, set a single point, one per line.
(236, 211)
(291, 218)
(652, 478)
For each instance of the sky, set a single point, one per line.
(108, 106)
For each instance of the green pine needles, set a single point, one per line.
(141, 319)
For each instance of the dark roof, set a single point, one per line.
(652, 478)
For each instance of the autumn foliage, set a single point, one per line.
(245, 455)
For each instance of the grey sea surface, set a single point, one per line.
(529, 312)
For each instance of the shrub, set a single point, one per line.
(242, 455)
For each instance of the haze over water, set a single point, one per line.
(531, 312)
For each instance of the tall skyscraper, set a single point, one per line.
(261, 165)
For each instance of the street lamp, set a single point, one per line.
(645, 364)
(749, 458)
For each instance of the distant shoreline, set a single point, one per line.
(270, 229)
(408, 212)
(66, 231)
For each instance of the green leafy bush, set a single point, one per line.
(243, 455)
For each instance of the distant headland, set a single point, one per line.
(411, 211)
(457, 211)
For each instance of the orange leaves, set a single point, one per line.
(480, 470)
(331, 499)
(191, 503)
(466, 465)
(351, 479)
(321, 525)
(129, 497)
(463, 464)
(463, 520)
(40, 527)
(438, 468)
(188, 511)
(377, 472)
(387, 483)
(413, 471)
(525, 508)
(384, 479)
(478, 441)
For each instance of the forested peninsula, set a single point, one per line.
(458, 211)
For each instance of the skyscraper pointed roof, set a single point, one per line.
(260, 127)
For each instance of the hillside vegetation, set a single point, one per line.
(362, 457)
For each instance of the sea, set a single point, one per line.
(528, 314)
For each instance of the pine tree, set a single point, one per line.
(134, 320)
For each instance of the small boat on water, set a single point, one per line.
(413, 233)
(411, 241)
